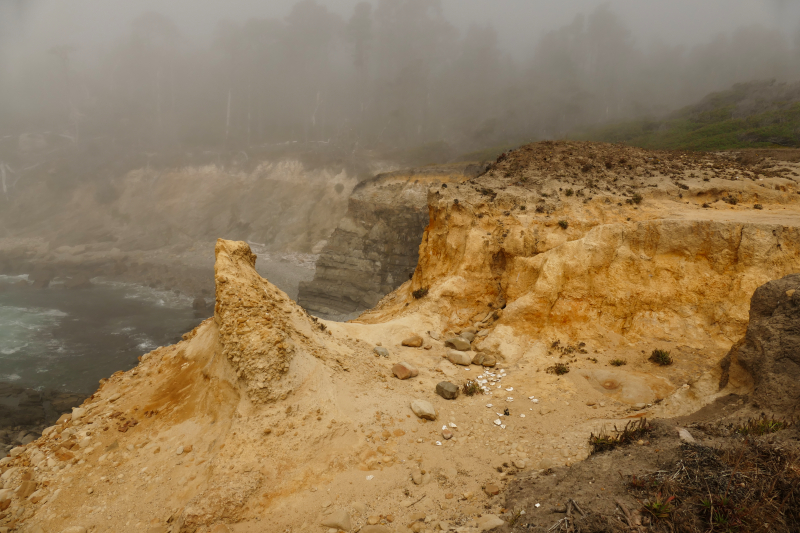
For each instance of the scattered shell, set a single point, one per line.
(510, 389)
(498, 423)
(369, 478)
(438, 443)
(522, 416)
(488, 405)
(502, 426)
(452, 425)
(537, 505)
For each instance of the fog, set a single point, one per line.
(386, 75)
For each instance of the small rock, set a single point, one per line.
(16, 451)
(340, 519)
(491, 489)
(478, 358)
(520, 463)
(220, 528)
(91, 490)
(590, 403)
(685, 435)
(640, 405)
(423, 409)
(469, 336)
(459, 358)
(26, 489)
(546, 463)
(414, 341)
(458, 343)
(78, 413)
(447, 390)
(489, 360)
(360, 508)
(187, 448)
(374, 519)
(74, 529)
(420, 477)
(179, 451)
(489, 521)
(375, 529)
(447, 434)
(427, 347)
(405, 370)
(381, 351)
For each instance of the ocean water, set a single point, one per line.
(68, 340)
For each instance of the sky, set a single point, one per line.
(520, 22)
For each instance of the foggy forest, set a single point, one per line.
(392, 74)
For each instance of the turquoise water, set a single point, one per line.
(67, 339)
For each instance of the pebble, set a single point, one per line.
(491, 489)
(179, 451)
(375, 529)
(405, 370)
(414, 341)
(458, 343)
(339, 519)
(380, 351)
(447, 390)
(447, 434)
(423, 409)
(459, 358)
(685, 435)
(74, 529)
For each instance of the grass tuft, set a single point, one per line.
(563, 223)
(661, 357)
(559, 369)
(762, 425)
(618, 362)
(471, 388)
(420, 293)
(633, 431)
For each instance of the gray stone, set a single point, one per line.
(478, 358)
(459, 358)
(340, 519)
(770, 349)
(423, 409)
(489, 360)
(380, 350)
(458, 343)
(468, 336)
(447, 390)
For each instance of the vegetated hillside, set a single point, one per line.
(749, 115)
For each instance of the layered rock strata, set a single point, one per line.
(374, 248)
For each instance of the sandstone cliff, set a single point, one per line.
(374, 248)
(267, 418)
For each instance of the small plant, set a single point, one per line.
(706, 205)
(592, 359)
(618, 362)
(420, 293)
(559, 369)
(570, 192)
(730, 200)
(658, 507)
(471, 388)
(758, 206)
(540, 209)
(660, 357)
(762, 426)
(706, 179)
(682, 186)
(637, 198)
(563, 223)
(633, 431)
